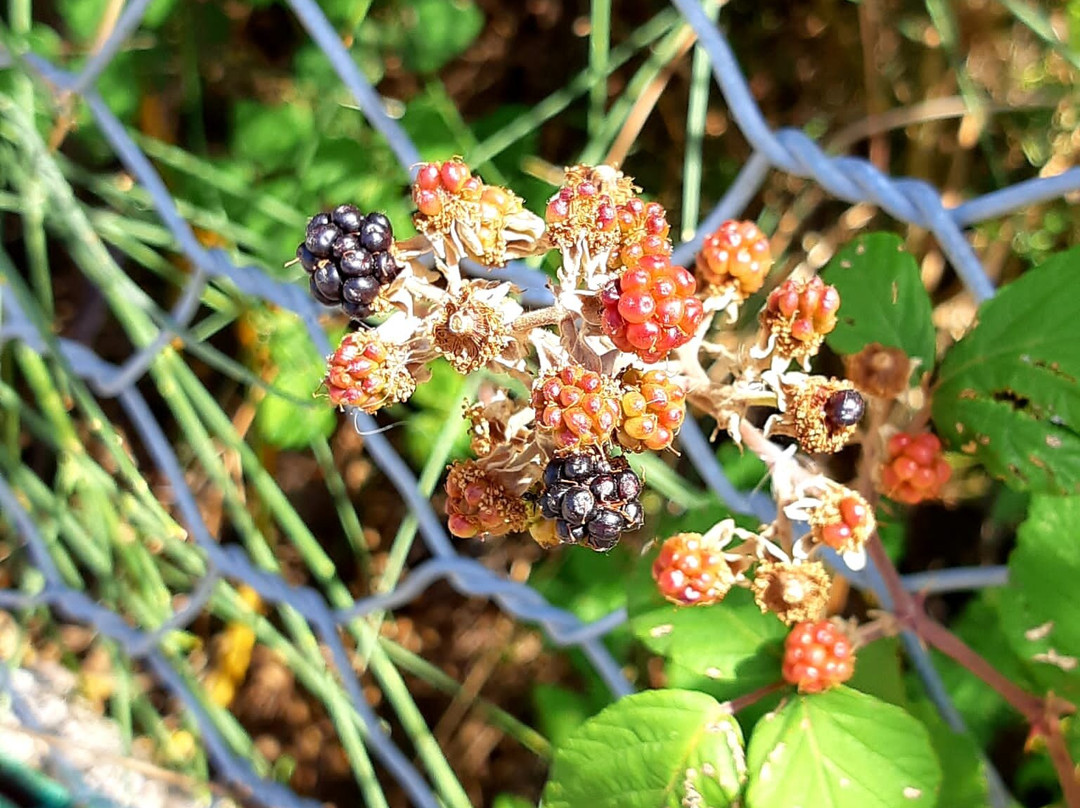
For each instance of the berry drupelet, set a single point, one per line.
(348, 258)
(592, 498)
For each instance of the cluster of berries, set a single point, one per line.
(651, 309)
(799, 314)
(691, 570)
(914, 470)
(592, 497)
(435, 181)
(817, 656)
(348, 258)
(735, 257)
(580, 408)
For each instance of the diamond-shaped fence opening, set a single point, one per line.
(311, 617)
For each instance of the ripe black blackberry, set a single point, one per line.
(592, 498)
(347, 256)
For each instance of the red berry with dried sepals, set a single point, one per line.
(651, 309)
(653, 410)
(844, 521)
(736, 257)
(477, 505)
(577, 407)
(914, 469)
(798, 315)
(366, 372)
(692, 571)
(818, 655)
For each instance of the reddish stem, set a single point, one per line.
(754, 696)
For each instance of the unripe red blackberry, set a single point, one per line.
(349, 259)
(653, 409)
(367, 373)
(798, 315)
(583, 213)
(843, 521)
(577, 407)
(914, 470)
(817, 656)
(651, 309)
(691, 570)
(592, 498)
(477, 505)
(735, 257)
(643, 230)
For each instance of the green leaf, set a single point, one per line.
(658, 748)
(963, 782)
(1008, 392)
(279, 421)
(878, 673)
(841, 749)
(1041, 606)
(271, 136)
(882, 299)
(439, 30)
(731, 643)
(560, 711)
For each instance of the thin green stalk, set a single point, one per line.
(665, 51)
(696, 111)
(33, 197)
(322, 567)
(499, 718)
(1038, 23)
(354, 531)
(206, 172)
(406, 534)
(944, 20)
(599, 51)
(555, 103)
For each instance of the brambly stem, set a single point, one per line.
(1043, 714)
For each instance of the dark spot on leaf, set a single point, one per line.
(1014, 400)
(1055, 368)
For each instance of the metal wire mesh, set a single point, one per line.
(787, 150)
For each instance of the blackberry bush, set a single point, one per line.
(631, 348)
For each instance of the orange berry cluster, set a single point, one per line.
(651, 309)
(914, 471)
(653, 409)
(690, 572)
(643, 230)
(366, 373)
(735, 256)
(478, 505)
(578, 407)
(817, 656)
(799, 314)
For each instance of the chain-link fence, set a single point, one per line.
(851, 179)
